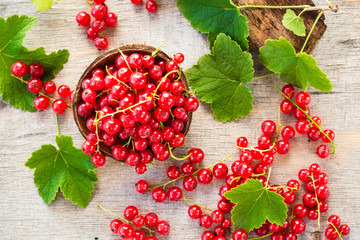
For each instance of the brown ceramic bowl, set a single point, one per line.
(109, 58)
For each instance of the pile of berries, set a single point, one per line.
(137, 107)
(336, 230)
(304, 125)
(151, 5)
(35, 85)
(102, 19)
(133, 225)
(254, 163)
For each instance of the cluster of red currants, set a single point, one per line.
(306, 125)
(124, 227)
(335, 230)
(102, 19)
(35, 85)
(138, 108)
(188, 173)
(151, 5)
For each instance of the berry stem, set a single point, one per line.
(268, 235)
(162, 79)
(196, 204)
(97, 135)
(316, 198)
(338, 233)
(127, 63)
(176, 158)
(57, 123)
(308, 7)
(291, 188)
(308, 116)
(89, 3)
(312, 29)
(263, 76)
(153, 54)
(268, 178)
(123, 219)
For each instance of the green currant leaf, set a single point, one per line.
(214, 17)
(294, 23)
(298, 69)
(42, 5)
(67, 167)
(12, 34)
(254, 205)
(218, 79)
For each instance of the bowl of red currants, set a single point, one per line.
(133, 104)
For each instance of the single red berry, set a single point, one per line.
(64, 91)
(313, 214)
(205, 221)
(205, 176)
(126, 231)
(322, 151)
(34, 85)
(313, 134)
(189, 183)
(303, 98)
(290, 236)
(194, 212)
(142, 186)
(110, 19)
(315, 169)
(220, 171)
(289, 90)
(331, 234)
(207, 235)
(88, 147)
(98, 159)
(302, 126)
(304, 175)
(41, 103)
(322, 178)
(162, 227)
(317, 120)
(91, 33)
(151, 6)
(151, 219)
(137, 2)
(59, 106)
(283, 147)
(225, 205)
(115, 225)
(240, 235)
(101, 43)
(98, 25)
(328, 134)
(293, 184)
(174, 193)
(289, 197)
(242, 142)
(288, 133)
(191, 104)
(299, 114)
(309, 200)
(49, 87)
(323, 192)
(98, 11)
(159, 194)
(300, 211)
(83, 19)
(286, 106)
(264, 142)
(344, 229)
(173, 172)
(130, 212)
(268, 127)
(36, 70)
(335, 220)
(298, 226)
(217, 216)
(19, 69)
(197, 155)
(226, 223)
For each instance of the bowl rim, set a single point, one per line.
(101, 60)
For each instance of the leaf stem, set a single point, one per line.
(311, 30)
(308, 116)
(57, 123)
(263, 76)
(203, 207)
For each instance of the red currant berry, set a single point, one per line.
(130, 212)
(309, 200)
(207, 235)
(217, 216)
(225, 205)
(137, 2)
(41, 103)
(151, 219)
(101, 43)
(331, 234)
(315, 169)
(191, 104)
(286, 106)
(190, 183)
(344, 229)
(98, 159)
(220, 171)
(179, 58)
(173, 172)
(268, 127)
(226, 223)
(242, 142)
(322, 151)
(264, 142)
(159, 194)
(88, 147)
(36, 70)
(317, 120)
(205, 221)
(91, 33)
(110, 19)
(151, 6)
(298, 114)
(298, 226)
(313, 214)
(290, 236)
(303, 98)
(49, 87)
(328, 134)
(323, 192)
(289, 197)
(59, 106)
(267, 159)
(197, 155)
(19, 69)
(335, 220)
(174, 193)
(178, 140)
(115, 225)
(142, 186)
(126, 231)
(64, 91)
(194, 212)
(240, 235)
(293, 184)
(304, 175)
(205, 176)
(98, 11)
(283, 147)
(163, 227)
(98, 26)
(300, 211)
(302, 126)
(313, 134)
(34, 85)
(83, 19)
(289, 90)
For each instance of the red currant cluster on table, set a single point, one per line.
(137, 227)
(35, 71)
(254, 163)
(137, 107)
(102, 19)
(151, 5)
(305, 125)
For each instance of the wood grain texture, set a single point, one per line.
(267, 24)
(25, 216)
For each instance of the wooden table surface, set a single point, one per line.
(25, 216)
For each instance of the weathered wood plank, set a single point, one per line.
(25, 216)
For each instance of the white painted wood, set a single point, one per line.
(25, 216)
